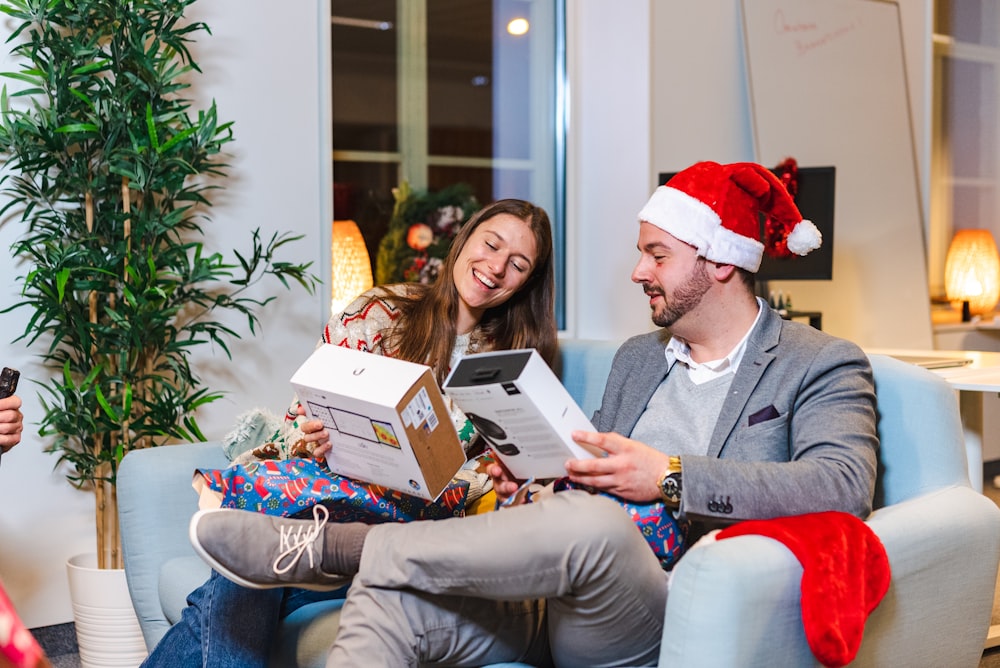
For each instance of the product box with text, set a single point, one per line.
(522, 410)
(387, 419)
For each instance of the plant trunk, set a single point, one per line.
(109, 553)
(105, 494)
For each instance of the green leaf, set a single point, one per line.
(77, 127)
(151, 127)
(109, 411)
(96, 66)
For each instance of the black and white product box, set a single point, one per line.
(521, 408)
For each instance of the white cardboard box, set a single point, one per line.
(521, 408)
(387, 419)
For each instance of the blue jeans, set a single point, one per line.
(229, 626)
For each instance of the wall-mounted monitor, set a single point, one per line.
(815, 200)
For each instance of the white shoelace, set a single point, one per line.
(295, 541)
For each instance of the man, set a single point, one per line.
(735, 414)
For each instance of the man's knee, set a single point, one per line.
(594, 514)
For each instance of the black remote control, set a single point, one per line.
(8, 382)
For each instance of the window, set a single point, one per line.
(966, 144)
(437, 92)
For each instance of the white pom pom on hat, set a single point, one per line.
(716, 207)
(804, 238)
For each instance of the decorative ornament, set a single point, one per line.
(419, 236)
(775, 242)
(421, 230)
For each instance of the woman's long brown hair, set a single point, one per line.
(425, 332)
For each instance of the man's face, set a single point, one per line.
(671, 274)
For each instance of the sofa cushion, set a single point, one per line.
(179, 577)
(305, 636)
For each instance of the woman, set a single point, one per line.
(495, 291)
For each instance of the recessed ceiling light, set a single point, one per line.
(518, 26)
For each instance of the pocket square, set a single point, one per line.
(763, 415)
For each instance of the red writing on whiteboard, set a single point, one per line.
(808, 35)
(782, 26)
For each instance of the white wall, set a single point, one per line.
(811, 104)
(262, 68)
(43, 520)
(659, 87)
(608, 164)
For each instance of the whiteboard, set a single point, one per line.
(827, 86)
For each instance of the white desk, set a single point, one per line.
(971, 381)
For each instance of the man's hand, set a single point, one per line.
(11, 422)
(630, 470)
(314, 432)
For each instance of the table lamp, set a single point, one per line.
(972, 272)
(351, 272)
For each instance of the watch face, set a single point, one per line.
(670, 488)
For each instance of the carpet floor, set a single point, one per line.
(59, 643)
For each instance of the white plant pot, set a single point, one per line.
(107, 630)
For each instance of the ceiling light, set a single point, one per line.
(518, 26)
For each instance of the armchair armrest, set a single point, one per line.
(944, 549)
(736, 602)
(155, 505)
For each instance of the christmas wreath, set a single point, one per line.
(420, 233)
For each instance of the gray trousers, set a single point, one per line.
(568, 581)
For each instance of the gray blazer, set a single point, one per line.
(795, 435)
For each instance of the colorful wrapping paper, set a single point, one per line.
(289, 487)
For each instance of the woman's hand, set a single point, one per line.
(314, 432)
(504, 484)
(629, 469)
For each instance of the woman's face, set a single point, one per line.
(496, 262)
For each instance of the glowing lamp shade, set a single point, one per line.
(972, 270)
(352, 270)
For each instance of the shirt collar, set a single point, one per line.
(679, 351)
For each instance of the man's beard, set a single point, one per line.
(685, 298)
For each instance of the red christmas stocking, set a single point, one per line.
(845, 574)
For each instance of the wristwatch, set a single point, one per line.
(670, 484)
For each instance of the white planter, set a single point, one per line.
(107, 630)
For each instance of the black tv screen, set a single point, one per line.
(815, 200)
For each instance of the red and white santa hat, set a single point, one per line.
(715, 208)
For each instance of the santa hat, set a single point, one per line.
(715, 208)
(845, 574)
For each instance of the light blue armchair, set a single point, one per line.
(733, 602)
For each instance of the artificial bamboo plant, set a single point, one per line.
(109, 169)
